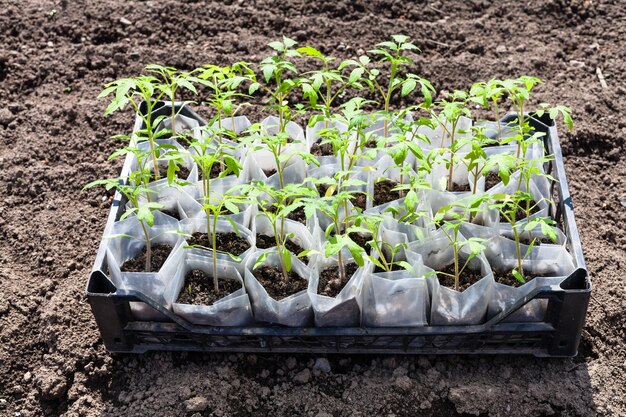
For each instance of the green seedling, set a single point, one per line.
(208, 154)
(132, 188)
(488, 94)
(215, 207)
(383, 254)
(134, 91)
(222, 83)
(336, 198)
(509, 205)
(453, 107)
(170, 82)
(449, 219)
(280, 78)
(393, 53)
(276, 204)
(322, 87)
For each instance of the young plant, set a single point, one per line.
(393, 53)
(322, 87)
(206, 155)
(404, 143)
(279, 79)
(488, 94)
(383, 254)
(215, 207)
(449, 219)
(135, 91)
(170, 81)
(276, 204)
(222, 83)
(509, 205)
(132, 188)
(453, 107)
(331, 204)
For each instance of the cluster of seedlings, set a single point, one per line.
(370, 215)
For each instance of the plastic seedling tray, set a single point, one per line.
(557, 335)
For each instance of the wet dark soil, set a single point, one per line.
(182, 173)
(226, 242)
(325, 149)
(269, 172)
(198, 289)
(521, 213)
(384, 193)
(460, 188)
(159, 254)
(491, 180)
(266, 242)
(272, 280)
(330, 284)
(467, 278)
(171, 213)
(509, 279)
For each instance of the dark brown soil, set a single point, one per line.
(56, 56)
(467, 278)
(521, 214)
(272, 280)
(226, 242)
(330, 284)
(157, 259)
(460, 188)
(198, 289)
(361, 240)
(266, 242)
(269, 172)
(360, 201)
(216, 170)
(171, 213)
(509, 279)
(524, 239)
(491, 180)
(298, 215)
(394, 267)
(181, 174)
(322, 150)
(383, 192)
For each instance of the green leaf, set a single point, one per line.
(253, 88)
(287, 259)
(408, 86)
(355, 75)
(260, 260)
(310, 51)
(277, 46)
(518, 276)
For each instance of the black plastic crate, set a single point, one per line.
(558, 335)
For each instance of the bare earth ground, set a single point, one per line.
(54, 58)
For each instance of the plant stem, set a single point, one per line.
(148, 266)
(216, 287)
(456, 268)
